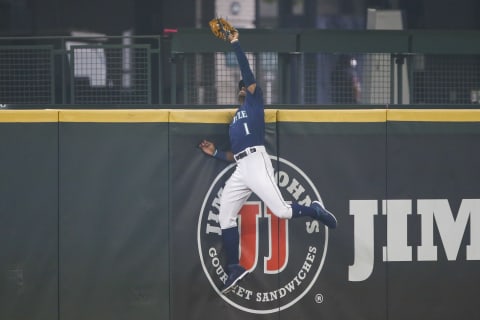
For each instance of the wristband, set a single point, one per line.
(221, 155)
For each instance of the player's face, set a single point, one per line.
(242, 94)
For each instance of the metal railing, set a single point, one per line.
(120, 71)
(307, 67)
(26, 74)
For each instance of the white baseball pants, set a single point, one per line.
(254, 173)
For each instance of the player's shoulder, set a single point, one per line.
(257, 91)
(256, 95)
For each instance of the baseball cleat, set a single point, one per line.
(324, 215)
(235, 273)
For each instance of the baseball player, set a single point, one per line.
(254, 170)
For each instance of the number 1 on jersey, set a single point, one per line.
(247, 131)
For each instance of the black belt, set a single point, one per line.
(244, 153)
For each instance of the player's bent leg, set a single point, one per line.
(268, 191)
(264, 185)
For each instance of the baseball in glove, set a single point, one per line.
(221, 28)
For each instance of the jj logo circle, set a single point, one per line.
(284, 257)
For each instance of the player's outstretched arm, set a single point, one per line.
(209, 148)
(247, 74)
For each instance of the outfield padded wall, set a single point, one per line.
(113, 244)
(29, 214)
(112, 214)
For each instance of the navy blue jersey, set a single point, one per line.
(248, 125)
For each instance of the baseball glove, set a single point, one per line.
(221, 28)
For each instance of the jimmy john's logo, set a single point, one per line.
(284, 257)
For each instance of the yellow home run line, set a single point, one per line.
(222, 116)
(434, 115)
(212, 116)
(127, 115)
(380, 115)
(202, 116)
(372, 115)
(28, 116)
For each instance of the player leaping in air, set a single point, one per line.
(254, 170)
